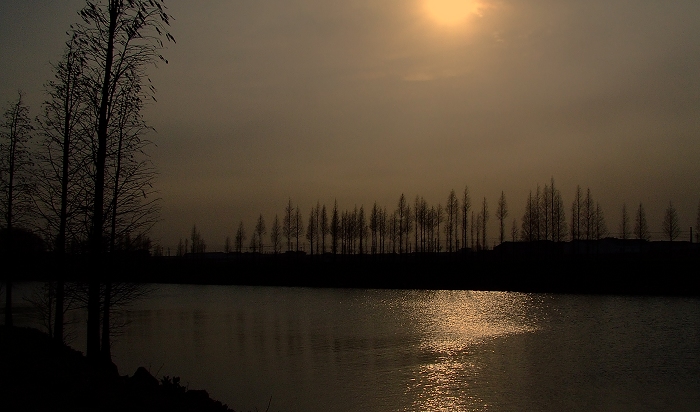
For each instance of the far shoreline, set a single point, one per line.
(662, 269)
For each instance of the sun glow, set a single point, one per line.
(451, 12)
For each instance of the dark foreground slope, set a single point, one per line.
(37, 374)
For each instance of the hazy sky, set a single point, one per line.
(362, 100)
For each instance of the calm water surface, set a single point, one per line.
(390, 350)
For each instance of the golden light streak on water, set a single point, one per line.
(454, 323)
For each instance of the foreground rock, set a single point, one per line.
(36, 374)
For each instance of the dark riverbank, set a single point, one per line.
(656, 269)
(621, 275)
(37, 374)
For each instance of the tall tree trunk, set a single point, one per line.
(115, 195)
(63, 218)
(93, 322)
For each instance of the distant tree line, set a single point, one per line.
(419, 227)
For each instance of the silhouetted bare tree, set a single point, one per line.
(325, 229)
(353, 229)
(528, 233)
(311, 230)
(452, 212)
(240, 237)
(383, 229)
(374, 228)
(298, 226)
(362, 230)
(416, 222)
(537, 214)
(16, 163)
(589, 216)
(393, 229)
(641, 231)
(260, 231)
(346, 223)
(670, 225)
(624, 223)
(439, 217)
(479, 224)
(62, 156)
(576, 214)
(600, 229)
(335, 228)
(15, 181)
(546, 213)
(317, 226)
(421, 212)
(474, 225)
(121, 39)
(344, 233)
(501, 214)
(401, 217)
(198, 244)
(288, 225)
(253, 245)
(130, 174)
(558, 215)
(485, 219)
(276, 235)
(466, 205)
(429, 226)
(408, 227)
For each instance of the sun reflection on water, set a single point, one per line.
(453, 325)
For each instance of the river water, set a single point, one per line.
(300, 349)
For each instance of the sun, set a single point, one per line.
(450, 12)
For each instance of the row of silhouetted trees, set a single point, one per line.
(421, 227)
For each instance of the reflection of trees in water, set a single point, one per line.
(43, 302)
(121, 294)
